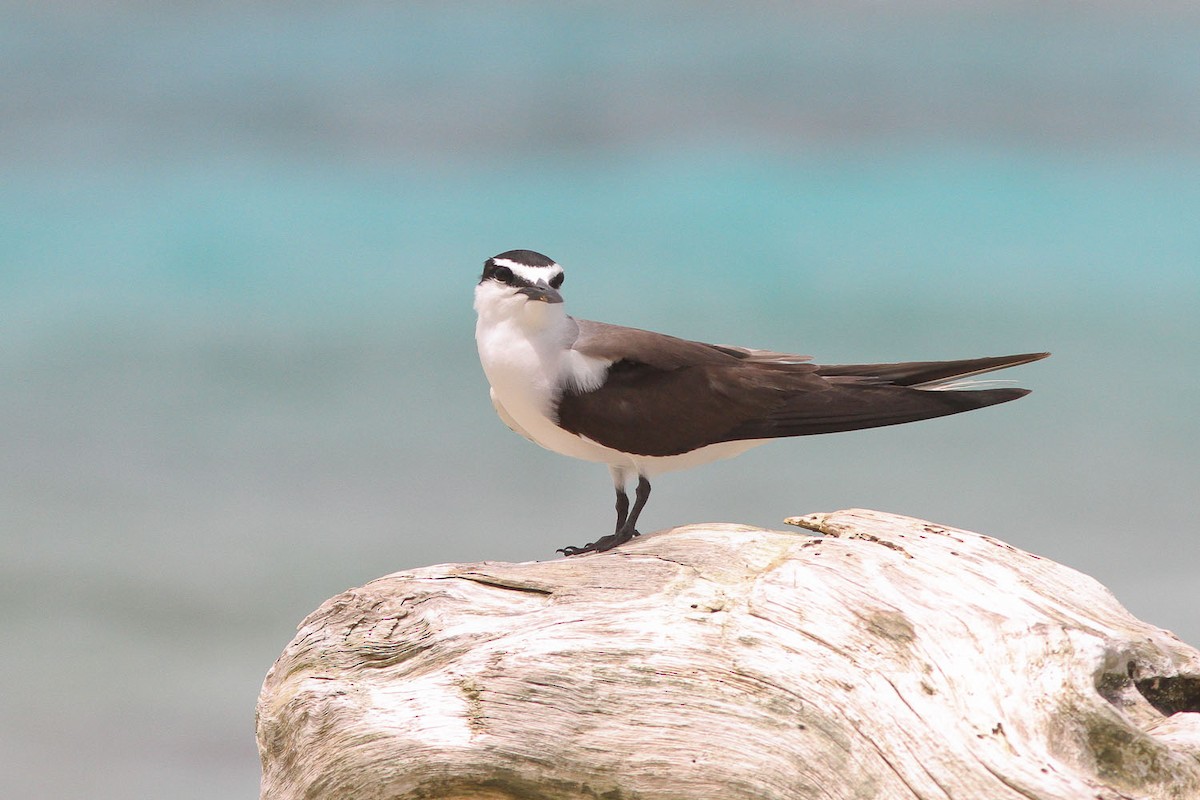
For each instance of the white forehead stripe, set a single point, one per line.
(531, 274)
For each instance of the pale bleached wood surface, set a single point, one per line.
(891, 658)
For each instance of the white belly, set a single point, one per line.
(656, 465)
(525, 378)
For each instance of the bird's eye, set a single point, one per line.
(556, 281)
(502, 274)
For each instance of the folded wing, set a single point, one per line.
(665, 396)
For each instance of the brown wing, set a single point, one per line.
(650, 411)
(616, 343)
(851, 407)
(677, 395)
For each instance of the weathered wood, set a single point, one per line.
(891, 658)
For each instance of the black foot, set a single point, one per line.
(600, 545)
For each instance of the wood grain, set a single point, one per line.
(888, 658)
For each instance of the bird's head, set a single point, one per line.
(519, 284)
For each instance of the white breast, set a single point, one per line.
(527, 359)
(526, 369)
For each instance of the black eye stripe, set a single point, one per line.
(510, 278)
(501, 273)
(505, 275)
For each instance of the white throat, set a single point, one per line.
(523, 345)
(499, 305)
(525, 350)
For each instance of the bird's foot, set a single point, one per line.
(601, 544)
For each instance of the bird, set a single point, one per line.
(647, 403)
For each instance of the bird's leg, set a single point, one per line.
(629, 529)
(622, 508)
(625, 523)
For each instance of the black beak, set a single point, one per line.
(541, 291)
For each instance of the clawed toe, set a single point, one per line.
(601, 544)
(598, 546)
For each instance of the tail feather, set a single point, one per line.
(874, 395)
(852, 408)
(924, 374)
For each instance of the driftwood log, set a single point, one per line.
(889, 658)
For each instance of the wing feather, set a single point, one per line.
(665, 396)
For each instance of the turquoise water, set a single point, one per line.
(237, 248)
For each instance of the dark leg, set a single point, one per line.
(639, 502)
(626, 521)
(622, 508)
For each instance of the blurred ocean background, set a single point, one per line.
(238, 243)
